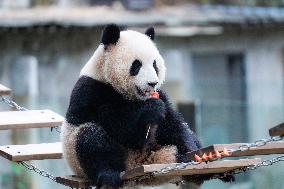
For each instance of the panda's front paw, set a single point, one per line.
(154, 111)
(109, 180)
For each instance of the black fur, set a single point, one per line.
(155, 67)
(151, 33)
(135, 67)
(117, 124)
(110, 34)
(96, 152)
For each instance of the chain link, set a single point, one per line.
(244, 147)
(257, 143)
(12, 104)
(178, 166)
(31, 167)
(266, 163)
(56, 128)
(38, 171)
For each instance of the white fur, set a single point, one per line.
(69, 135)
(94, 67)
(113, 64)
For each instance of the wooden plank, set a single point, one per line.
(276, 147)
(277, 130)
(74, 181)
(32, 151)
(203, 168)
(29, 119)
(4, 90)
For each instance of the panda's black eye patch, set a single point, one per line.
(135, 67)
(155, 67)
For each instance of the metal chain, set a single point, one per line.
(12, 104)
(257, 143)
(31, 167)
(178, 166)
(266, 163)
(38, 171)
(244, 147)
(56, 128)
(263, 163)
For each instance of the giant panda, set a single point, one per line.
(111, 111)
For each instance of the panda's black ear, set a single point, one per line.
(110, 34)
(151, 33)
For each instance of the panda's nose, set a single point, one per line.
(152, 84)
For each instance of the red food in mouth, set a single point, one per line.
(155, 95)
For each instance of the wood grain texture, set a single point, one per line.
(277, 130)
(74, 181)
(276, 147)
(29, 119)
(203, 168)
(4, 90)
(32, 151)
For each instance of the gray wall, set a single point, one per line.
(42, 65)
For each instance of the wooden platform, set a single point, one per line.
(4, 90)
(32, 151)
(203, 168)
(277, 130)
(270, 148)
(29, 119)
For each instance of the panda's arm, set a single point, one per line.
(174, 131)
(127, 121)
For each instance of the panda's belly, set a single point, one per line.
(69, 135)
(151, 153)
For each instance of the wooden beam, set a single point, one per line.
(277, 130)
(4, 90)
(276, 147)
(74, 181)
(29, 119)
(203, 168)
(32, 151)
(200, 169)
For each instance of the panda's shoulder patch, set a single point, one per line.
(87, 95)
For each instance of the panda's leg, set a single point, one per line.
(101, 158)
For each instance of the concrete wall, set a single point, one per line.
(263, 51)
(60, 53)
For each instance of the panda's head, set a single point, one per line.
(129, 61)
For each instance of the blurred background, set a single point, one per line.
(224, 58)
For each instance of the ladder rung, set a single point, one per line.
(203, 168)
(277, 130)
(32, 151)
(276, 147)
(29, 119)
(4, 90)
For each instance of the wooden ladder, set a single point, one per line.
(47, 118)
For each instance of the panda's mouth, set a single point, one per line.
(144, 93)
